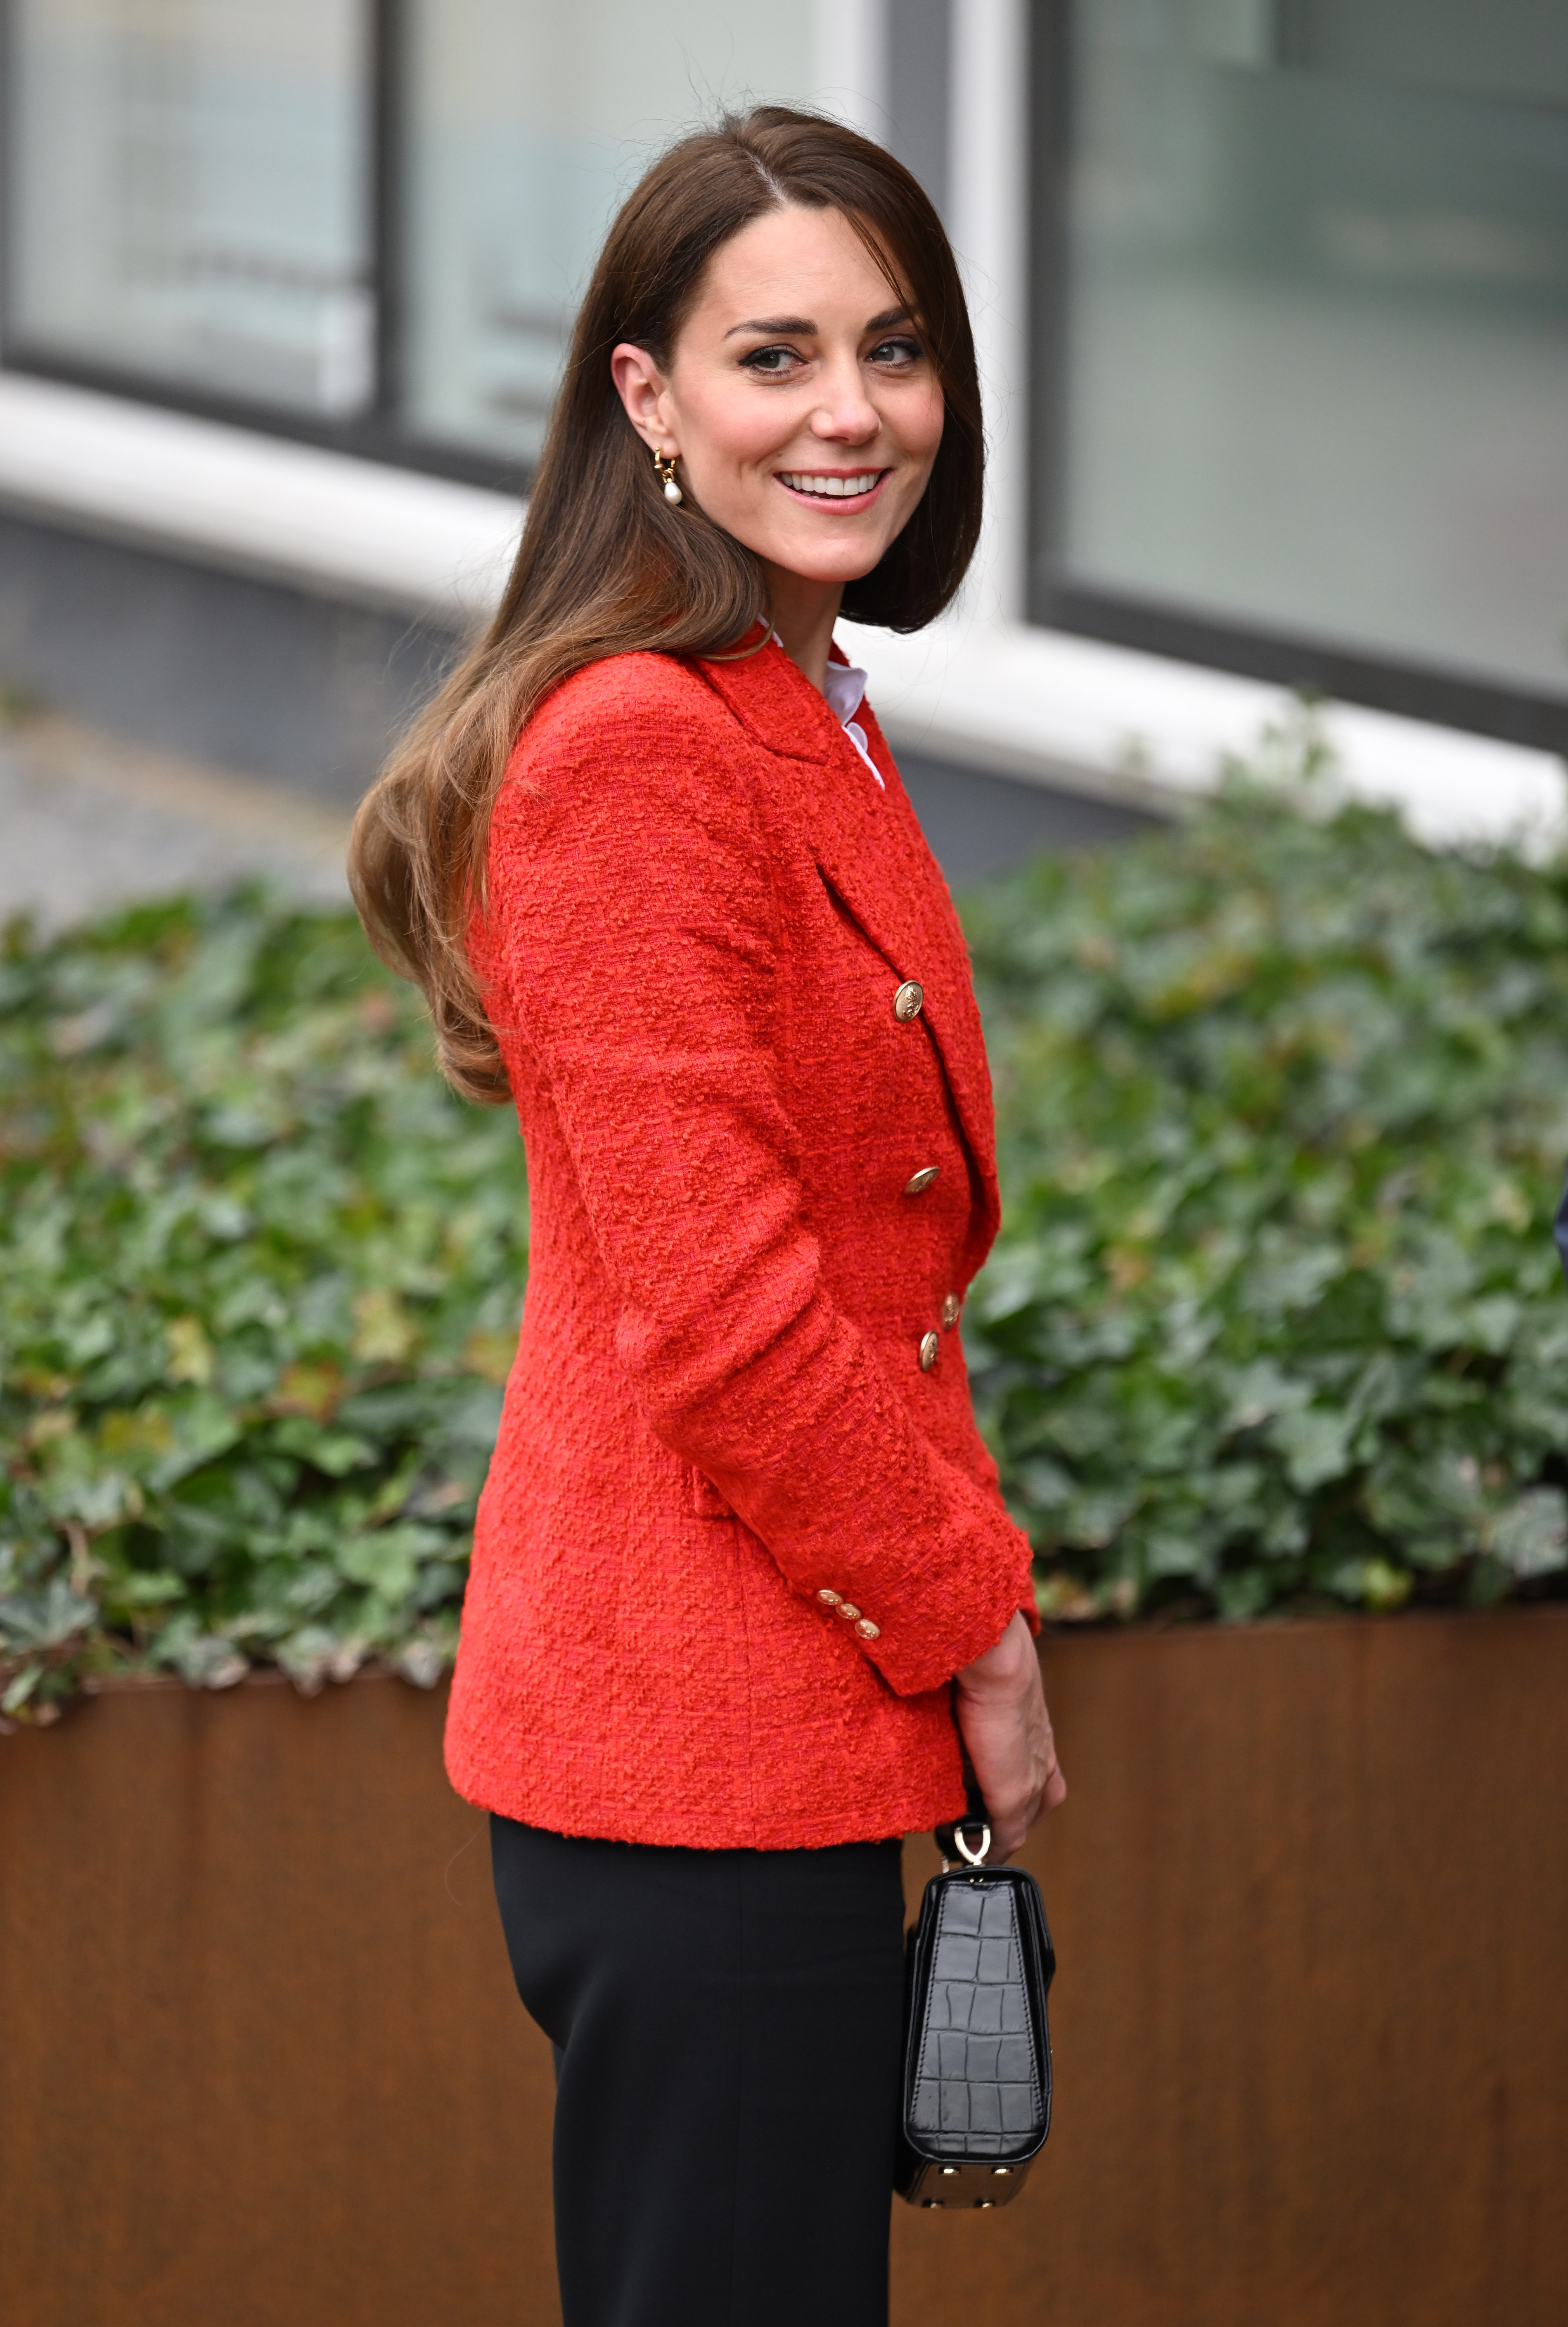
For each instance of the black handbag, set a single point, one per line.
(975, 2102)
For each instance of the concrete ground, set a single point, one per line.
(87, 822)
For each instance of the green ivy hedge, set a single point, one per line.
(260, 1277)
(1274, 1322)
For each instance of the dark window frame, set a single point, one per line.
(376, 433)
(1471, 700)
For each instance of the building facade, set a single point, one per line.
(1272, 298)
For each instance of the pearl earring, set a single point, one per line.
(664, 468)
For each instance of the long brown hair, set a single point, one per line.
(606, 566)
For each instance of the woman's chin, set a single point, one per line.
(824, 563)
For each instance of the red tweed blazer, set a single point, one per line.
(739, 1529)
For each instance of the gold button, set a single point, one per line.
(867, 1629)
(908, 1000)
(931, 1350)
(828, 1599)
(950, 1308)
(848, 1611)
(922, 1180)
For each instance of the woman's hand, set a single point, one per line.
(1006, 1733)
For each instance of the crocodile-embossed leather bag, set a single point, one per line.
(975, 2104)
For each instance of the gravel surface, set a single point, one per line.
(87, 822)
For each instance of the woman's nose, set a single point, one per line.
(846, 413)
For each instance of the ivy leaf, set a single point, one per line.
(1532, 1538)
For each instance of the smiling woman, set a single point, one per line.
(808, 432)
(744, 1591)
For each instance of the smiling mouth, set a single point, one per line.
(821, 485)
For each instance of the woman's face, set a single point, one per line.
(799, 399)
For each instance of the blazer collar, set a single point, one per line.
(869, 847)
(774, 702)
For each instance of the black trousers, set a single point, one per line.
(727, 2025)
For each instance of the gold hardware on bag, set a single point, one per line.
(965, 1855)
(975, 1858)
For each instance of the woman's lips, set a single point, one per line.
(834, 489)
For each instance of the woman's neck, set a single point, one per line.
(804, 615)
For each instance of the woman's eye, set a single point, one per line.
(896, 351)
(770, 361)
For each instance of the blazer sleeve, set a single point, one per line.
(630, 942)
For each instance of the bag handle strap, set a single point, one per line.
(949, 1839)
(953, 1844)
(972, 1857)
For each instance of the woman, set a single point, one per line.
(742, 1555)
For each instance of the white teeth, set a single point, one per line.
(831, 488)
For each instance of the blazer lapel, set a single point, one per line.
(870, 847)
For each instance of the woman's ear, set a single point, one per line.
(640, 384)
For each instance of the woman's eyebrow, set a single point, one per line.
(776, 323)
(798, 323)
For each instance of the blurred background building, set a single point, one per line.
(1273, 305)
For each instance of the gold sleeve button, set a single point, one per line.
(908, 1001)
(828, 1599)
(848, 1611)
(930, 1350)
(867, 1629)
(950, 1308)
(918, 1182)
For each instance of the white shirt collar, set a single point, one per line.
(844, 688)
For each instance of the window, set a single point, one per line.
(526, 122)
(190, 195)
(363, 221)
(1302, 387)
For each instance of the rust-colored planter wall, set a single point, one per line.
(260, 2060)
(262, 2065)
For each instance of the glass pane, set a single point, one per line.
(528, 122)
(190, 194)
(1317, 321)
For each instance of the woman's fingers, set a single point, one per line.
(1007, 1734)
(1054, 1791)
